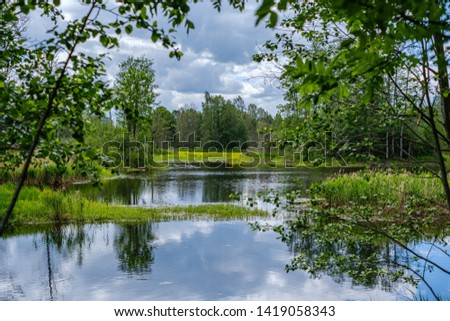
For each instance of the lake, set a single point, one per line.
(196, 186)
(162, 261)
(187, 259)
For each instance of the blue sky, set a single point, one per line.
(217, 56)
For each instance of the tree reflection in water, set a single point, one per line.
(132, 242)
(370, 253)
(134, 248)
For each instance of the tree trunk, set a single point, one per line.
(39, 129)
(401, 142)
(444, 85)
(387, 144)
(437, 143)
(393, 143)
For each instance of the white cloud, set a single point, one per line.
(217, 55)
(176, 232)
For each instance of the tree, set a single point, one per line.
(258, 122)
(233, 132)
(163, 126)
(373, 41)
(135, 93)
(188, 127)
(76, 86)
(223, 124)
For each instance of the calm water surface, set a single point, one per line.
(194, 186)
(183, 260)
(163, 261)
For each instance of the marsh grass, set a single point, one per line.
(49, 174)
(48, 206)
(380, 188)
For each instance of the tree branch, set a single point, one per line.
(40, 127)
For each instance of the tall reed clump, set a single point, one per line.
(381, 188)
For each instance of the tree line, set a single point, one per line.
(219, 123)
(380, 129)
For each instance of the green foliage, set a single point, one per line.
(135, 94)
(100, 130)
(163, 126)
(44, 174)
(363, 69)
(223, 125)
(188, 122)
(258, 122)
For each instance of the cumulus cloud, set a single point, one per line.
(217, 55)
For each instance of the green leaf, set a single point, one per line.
(190, 24)
(346, 43)
(25, 9)
(91, 154)
(57, 2)
(282, 5)
(273, 19)
(129, 29)
(9, 16)
(104, 40)
(264, 10)
(144, 12)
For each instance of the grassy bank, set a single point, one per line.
(49, 174)
(37, 206)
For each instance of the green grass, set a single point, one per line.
(381, 188)
(49, 174)
(37, 206)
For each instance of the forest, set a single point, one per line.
(365, 134)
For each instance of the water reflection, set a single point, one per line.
(359, 258)
(185, 187)
(134, 248)
(163, 261)
(371, 254)
(50, 247)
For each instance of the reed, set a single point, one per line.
(381, 188)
